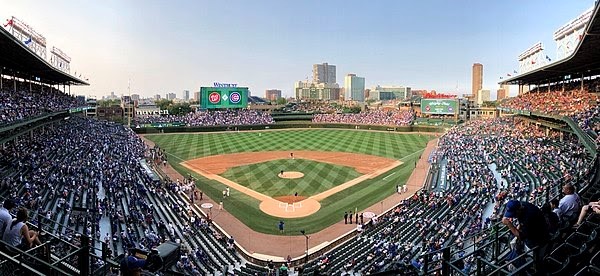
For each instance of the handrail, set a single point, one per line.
(20, 254)
(585, 139)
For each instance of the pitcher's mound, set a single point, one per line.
(291, 175)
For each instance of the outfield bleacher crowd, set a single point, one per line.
(313, 107)
(22, 104)
(230, 117)
(371, 117)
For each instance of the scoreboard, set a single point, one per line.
(439, 106)
(223, 97)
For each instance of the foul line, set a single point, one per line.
(385, 178)
(419, 151)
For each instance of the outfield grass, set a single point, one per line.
(404, 147)
(264, 177)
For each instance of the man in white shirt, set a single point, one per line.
(570, 203)
(5, 217)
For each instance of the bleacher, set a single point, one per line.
(97, 171)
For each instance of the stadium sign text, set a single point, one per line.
(218, 84)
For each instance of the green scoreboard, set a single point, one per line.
(439, 106)
(223, 97)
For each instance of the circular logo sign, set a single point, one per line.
(450, 109)
(235, 97)
(427, 108)
(214, 97)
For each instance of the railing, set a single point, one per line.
(585, 139)
(496, 232)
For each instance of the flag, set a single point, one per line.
(532, 61)
(8, 23)
(548, 58)
(515, 71)
(580, 37)
(501, 78)
(508, 75)
(27, 41)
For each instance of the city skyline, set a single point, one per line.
(270, 45)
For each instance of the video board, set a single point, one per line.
(223, 97)
(439, 106)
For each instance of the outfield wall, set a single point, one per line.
(151, 130)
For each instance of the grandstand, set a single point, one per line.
(94, 190)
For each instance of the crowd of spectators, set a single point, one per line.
(22, 104)
(486, 163)
(75, 161)
(566, 103)
(582, 106)
(230, 117)
(313, 107)
(93, 165)
(589, 122)
(371, 117)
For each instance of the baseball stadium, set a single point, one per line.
(430, 184)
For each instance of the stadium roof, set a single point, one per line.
(584, 60)
(25, 64)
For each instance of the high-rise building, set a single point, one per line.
(506, 88)
(171, 96)
(197, 96)
(324, 73)
(186, 95)
(317, 91)
(384, 93)
(501, 94)
(272, 94)
(483, 95)
(135, 97)
(354, 88)
(157, 97)
(477, 79)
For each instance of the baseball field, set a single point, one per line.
(305, 177)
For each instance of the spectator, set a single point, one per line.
(5, 217)
(592, 206)
(17, 233)
(532, 228)
(570, 203)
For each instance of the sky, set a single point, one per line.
(171, 46)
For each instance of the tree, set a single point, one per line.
(107, 103)
(179, 109)
(281, 100)
(163, 103)
(490, 104)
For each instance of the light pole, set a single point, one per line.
(307, 237)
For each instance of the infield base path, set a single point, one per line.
(369, 165)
